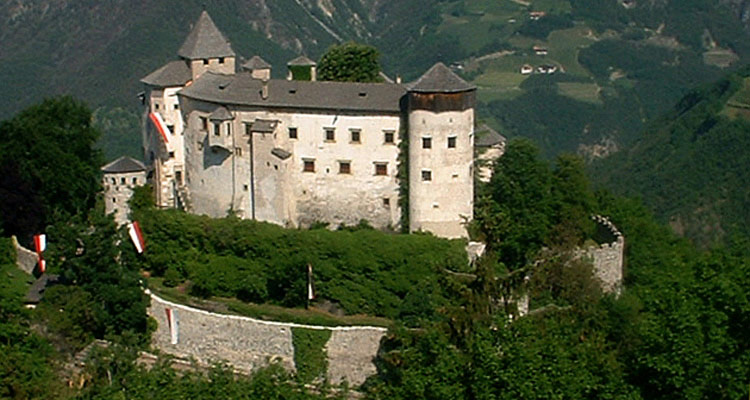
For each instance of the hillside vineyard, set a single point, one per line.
(226, 138)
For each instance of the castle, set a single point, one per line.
(226, 138)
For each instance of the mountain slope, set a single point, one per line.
(691, 165)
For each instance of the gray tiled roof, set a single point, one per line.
(241, 89)
(205, 41)
(440, 79)
(302, 61)
(175, 73)
(281, 153)
(122, 165)
(220, 114)
(487, 137)
(255, 62)
(264, 125)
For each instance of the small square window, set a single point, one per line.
(171, 155)
(205, 61)
(248, 128)
(388, 137)
(381, 169)
(426, 175)
(345, 167)
(221, 60)
(308, 166)
(451, 142)
(122, 181)
(135, 181)
(356, 137)
(171, 129)
(238, 151)
(292, 132)
(176, 106)
(156, 106)
(204, 123)
(386, 202)
(217, 128)
(426, 142)
(330, 134)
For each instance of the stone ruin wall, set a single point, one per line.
(608, 258)
(248, 344)
(26, 259)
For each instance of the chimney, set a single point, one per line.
(398, 79)
(264, 89)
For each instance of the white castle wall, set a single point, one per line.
(248, 343)
(219, 180)
(118, 189)
(438, 205)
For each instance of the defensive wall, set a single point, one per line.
(26, 259)
(608, 257)
(248, 344)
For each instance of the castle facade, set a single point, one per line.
(226, 138)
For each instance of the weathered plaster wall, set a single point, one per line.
(247, 343)
(441, 204)
(485, 161)
(282, 192)
(166, 159)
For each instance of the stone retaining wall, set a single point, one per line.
(248, 344)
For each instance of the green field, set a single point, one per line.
(588, 92)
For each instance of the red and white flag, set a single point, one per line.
(40, 244)
(160, 125)
(134, 230)
(310, 286)
(172, 324)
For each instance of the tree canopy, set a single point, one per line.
(49, 169)
(350, 62)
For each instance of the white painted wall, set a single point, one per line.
(440, 205)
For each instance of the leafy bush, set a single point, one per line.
(309, 356)
(362, 270)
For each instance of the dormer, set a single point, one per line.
(258, 68)
(206, 49)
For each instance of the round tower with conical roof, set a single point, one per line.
(441, 143)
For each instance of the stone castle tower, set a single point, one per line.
(441, 152)
(297, 151)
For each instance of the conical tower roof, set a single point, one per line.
(440, 79)
(205, 41)
(255, 62)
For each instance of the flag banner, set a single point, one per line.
(42, 264)
(310, 286)
(172, 323)
(40, 242)
(134, 230)
(160, 125)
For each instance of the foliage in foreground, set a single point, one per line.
(362, 271)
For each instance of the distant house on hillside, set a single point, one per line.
(526, 69)
(540, 51)
(536, 15)
(546, 69)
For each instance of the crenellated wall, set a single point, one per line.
(248, 343)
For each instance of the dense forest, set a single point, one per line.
(690, 165)
(676, 330)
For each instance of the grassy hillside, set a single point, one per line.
(691, 165)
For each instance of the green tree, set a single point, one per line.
(350, 62)
(49, 167)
